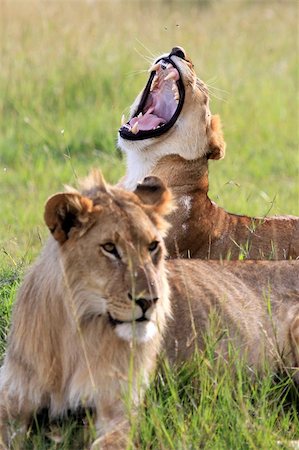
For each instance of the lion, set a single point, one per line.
(89, 317)
(172, 134)
(102, 301)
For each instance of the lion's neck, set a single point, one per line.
(143, 161)
(139, 166)
(183, 176)
(178, 173)
(192, 221)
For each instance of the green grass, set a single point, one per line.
(200, 406)
(69, 70)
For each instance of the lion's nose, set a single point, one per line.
(178, 51)
(144, 303)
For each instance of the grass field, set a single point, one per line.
(69, 70)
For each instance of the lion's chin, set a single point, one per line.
(138, 332)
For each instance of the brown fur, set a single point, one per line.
(201, 229)
(255, 303)
(64, 350)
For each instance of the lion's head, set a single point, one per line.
(171, 115)
(112, 253)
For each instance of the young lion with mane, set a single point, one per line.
(91, 314)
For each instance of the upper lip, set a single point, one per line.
(115, 322)
(161, 102)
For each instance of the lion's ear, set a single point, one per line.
(152, 191)
(64, 211)
(215, 139)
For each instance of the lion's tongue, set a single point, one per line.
(147, 121)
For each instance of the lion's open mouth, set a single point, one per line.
(161, 103)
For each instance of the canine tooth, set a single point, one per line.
(123, 120)
(154, 67)
(139, 115)
(135, 128)
(175, 91)
(170, 76)
(154, 82)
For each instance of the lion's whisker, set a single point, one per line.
(146, 48)
(135, 72)
(146, 58)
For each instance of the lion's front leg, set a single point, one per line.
(117, 439)
(294, 332)
(112, 426)
(14, 418)
(4, 428)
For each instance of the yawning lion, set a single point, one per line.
(172, 134)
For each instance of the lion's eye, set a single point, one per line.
(153, 246)
(109, 247)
